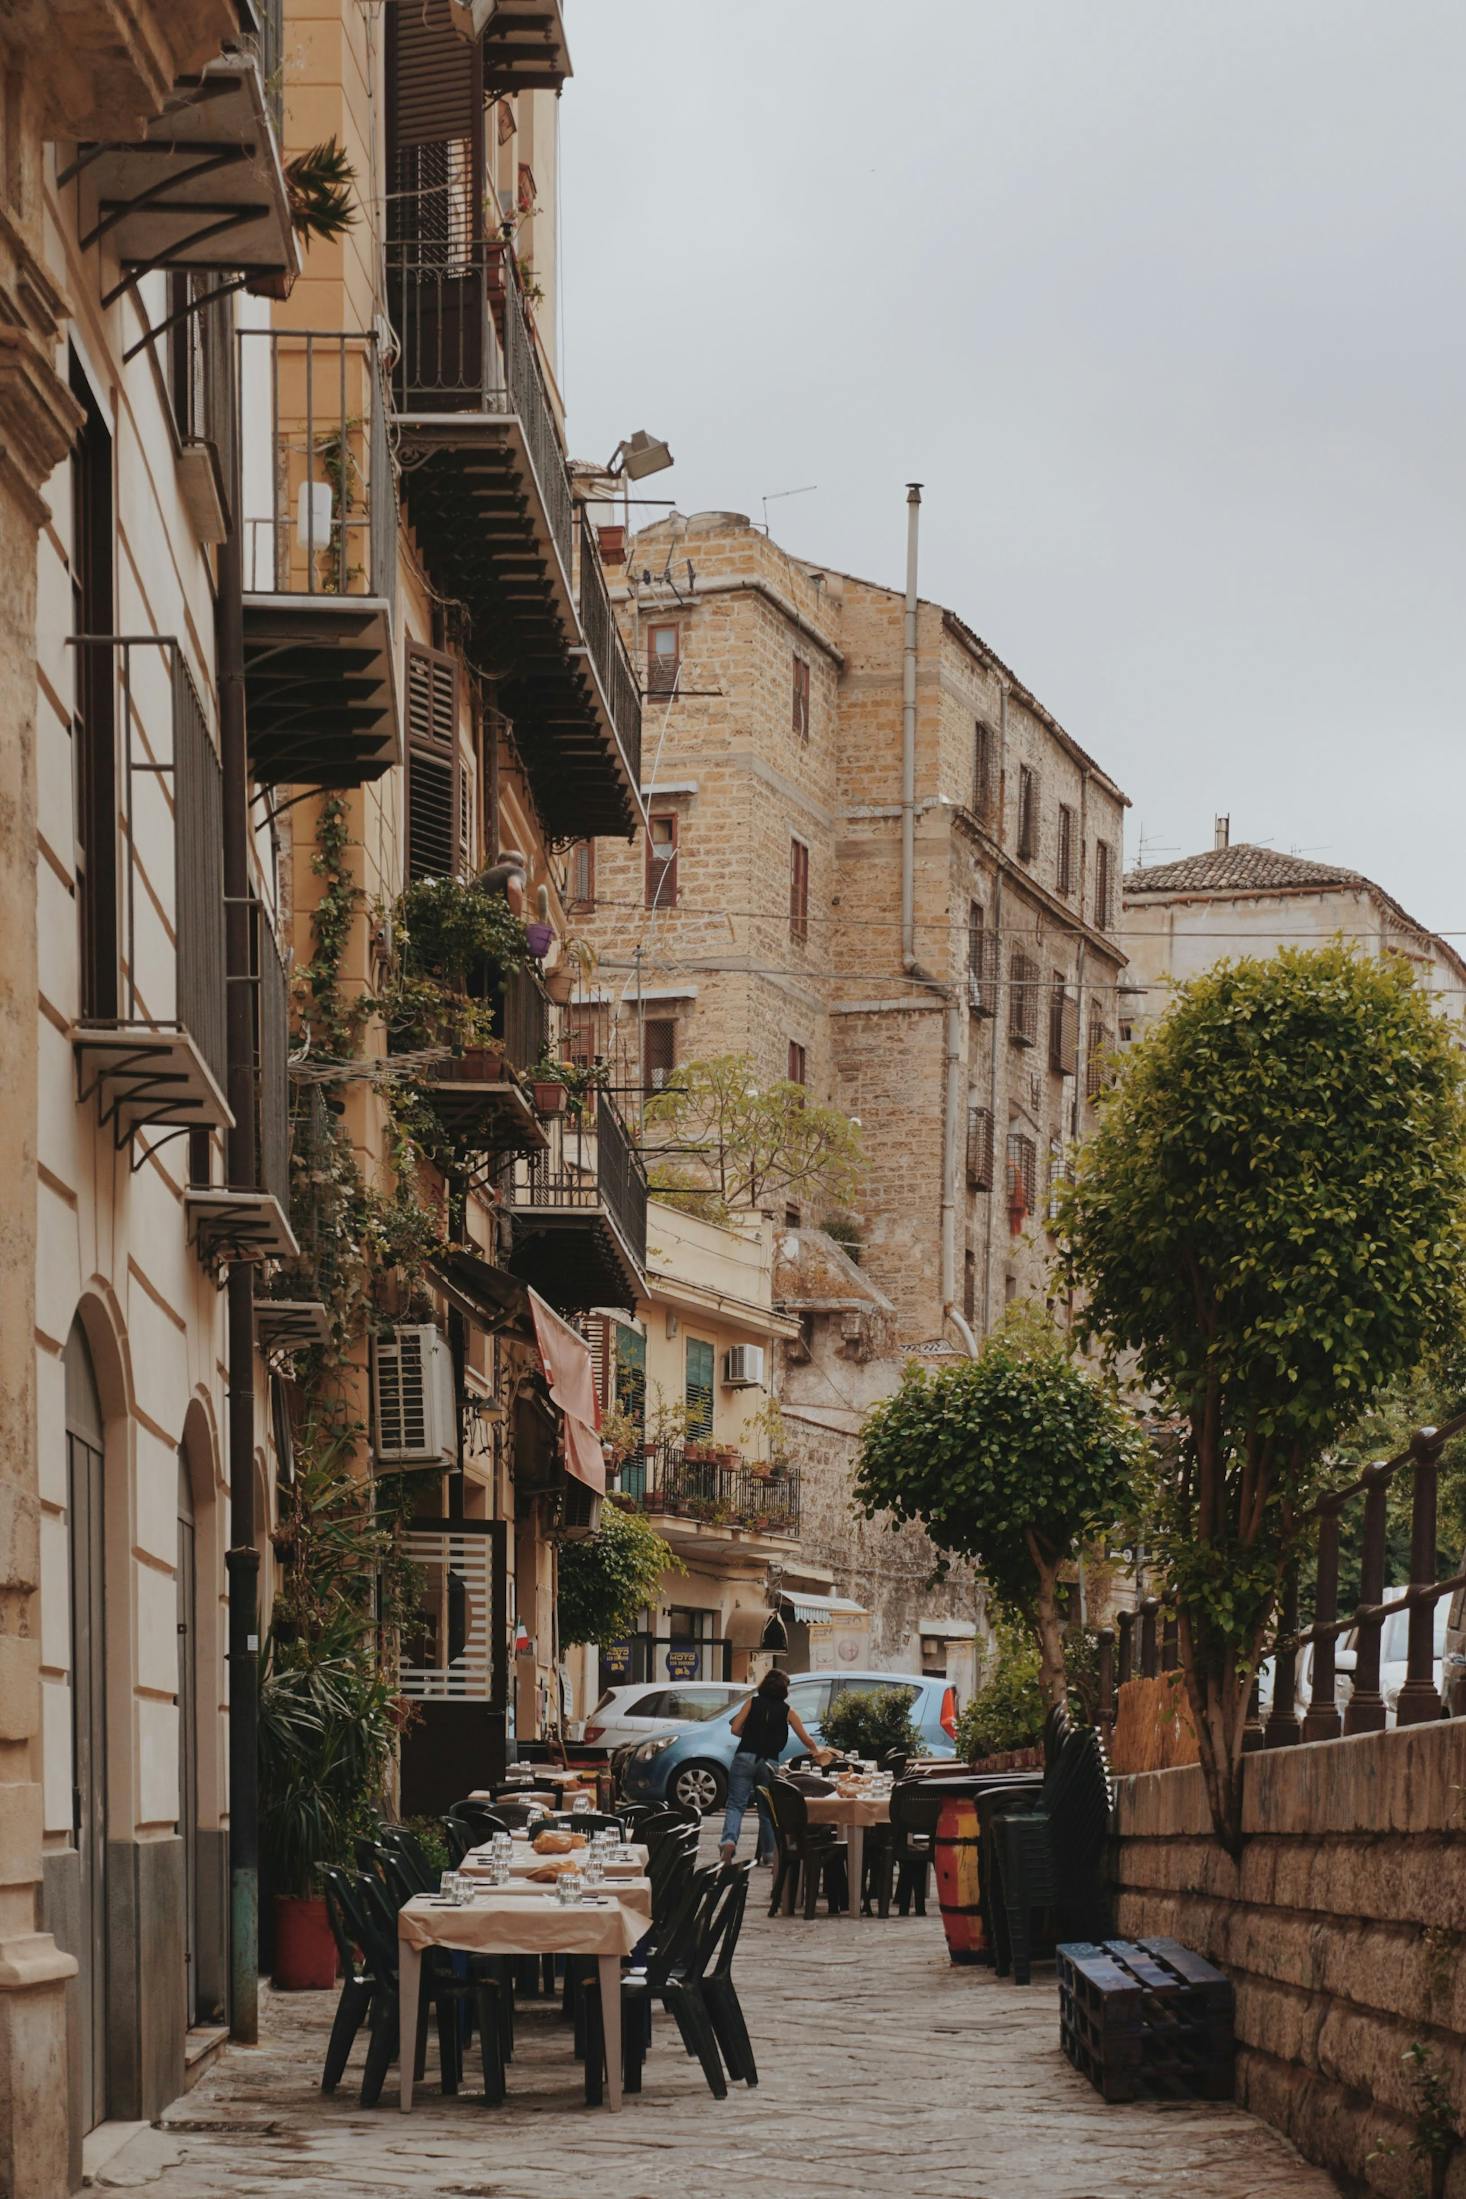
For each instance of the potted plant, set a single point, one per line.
(550, 1083)
(325, 1737)
(577, 959)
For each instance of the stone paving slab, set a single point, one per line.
(884, 2073)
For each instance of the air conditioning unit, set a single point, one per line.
(414, 1411)
(743, 1367)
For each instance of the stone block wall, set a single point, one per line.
(1341, 1927)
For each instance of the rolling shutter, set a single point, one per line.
(434, 77)
(432, 764)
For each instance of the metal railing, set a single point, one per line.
(608, 651)
(272, 1060)
(1145, 1641)
(320, 505)
(165, 737)
(589, 1166)
(465, 344)
(526, 1020)
(667, 1480)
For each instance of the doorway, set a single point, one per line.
(188, 1738)
(86, 1522)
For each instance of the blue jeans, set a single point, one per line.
(746, 1772)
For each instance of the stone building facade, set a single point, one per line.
(923, 933)
(1182, 917)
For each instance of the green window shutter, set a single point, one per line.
(699, 1389)
(631, 1373)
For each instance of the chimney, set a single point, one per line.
(1221, 833)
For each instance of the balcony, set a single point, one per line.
(479, 1097)
(319, 524)
(579, 1213)
(249, 1222)
(199, 190)
(523, 43)
(161, 1059)
(487, 492)
(695, 1498)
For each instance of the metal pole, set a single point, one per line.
(242, 1559)
(908, 733)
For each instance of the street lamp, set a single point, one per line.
(637, 456)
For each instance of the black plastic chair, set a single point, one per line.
(812, 1855)
(1050, 1856)
(399, 1841)
(673, 1974)
(359, 1982)
(368, 1919)
(720, 1995)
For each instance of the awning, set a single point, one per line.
(947, 1630)
(820, 1610)
(494, 1301)
(565, 1357)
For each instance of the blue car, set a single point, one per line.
(692, 1766)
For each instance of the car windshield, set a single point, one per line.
(684, 1705)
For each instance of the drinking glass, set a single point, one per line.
(446, 1885)
(579, 1802)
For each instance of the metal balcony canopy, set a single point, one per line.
(238, 1226)
(524, 45)
(202, 189)
(322, 702)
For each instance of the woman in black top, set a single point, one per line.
(762, 1726)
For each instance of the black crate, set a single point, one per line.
(1146, 2018)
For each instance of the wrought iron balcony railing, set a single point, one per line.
(608, 651)
(579, 1209)
(320, 504)
(677, 1482)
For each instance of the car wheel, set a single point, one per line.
(699, 1787)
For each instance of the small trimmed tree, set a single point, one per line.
(608, 1579)
(1270, 1218)
(1010, 1459)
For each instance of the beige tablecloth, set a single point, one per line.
(856, 1810)
(523, 1860)
(511, 1921)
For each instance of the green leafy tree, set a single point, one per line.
(1269, 1217)
(607, 1580)
(719, 1139)
(1010, 1459)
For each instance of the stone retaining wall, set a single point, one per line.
(1342, 1929)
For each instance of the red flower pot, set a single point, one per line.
(550, 1097)
(305, 1952)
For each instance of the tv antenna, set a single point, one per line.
(775, 495)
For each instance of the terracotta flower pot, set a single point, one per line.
(305, 1952)
(549, 1096)
(479, 1065)
(560, 984)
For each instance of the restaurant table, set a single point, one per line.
(854, 1812)
(515, 1920)
(627, 1881)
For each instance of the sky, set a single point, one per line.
(1162, 303)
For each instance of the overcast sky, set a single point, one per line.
(1164, 305)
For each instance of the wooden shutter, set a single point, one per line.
(434, 77)
(1023, 981)
(979, 1147)
(659, 1053)
(661, 862)
(1065, 874)
(699, 1389)
(798, 890)
(1027, 813)
(982, 770)
(432, 764)
(583, 875)
(1103, 886)
(801, 697)
(797, 1062)
(1063, 1029)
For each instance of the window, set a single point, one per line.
(1023, 988)
(1027, 813)
(1104, 914)
(982, 962)
(979, 1147)
(1058, 1173)
(1022, 1178)
(801, 697)
(809, 1698)
(581, 884)
(658, 1053)
(663, 659)
(969, 1287)
(872, 1687)
(1065, 869)
(798, 890)
(661, 862)
(433, 819)
(1063, 1028)
(1097, 1050)
(984, 776)
(698, 1388)
(467, 815)
(796, 1062)
(93, 723)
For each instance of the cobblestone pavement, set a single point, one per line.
(882, 2070)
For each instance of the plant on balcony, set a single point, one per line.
(607, 1580)
(1271, 1218)
(754, 1142)
(454, 942)
(319, 185)
(769, 1430)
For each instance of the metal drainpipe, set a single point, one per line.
(241, 1561)
(1000, 1148)
(908, 734)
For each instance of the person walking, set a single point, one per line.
(762, 1726)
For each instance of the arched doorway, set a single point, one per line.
(188, 1734)
(86, 1525)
